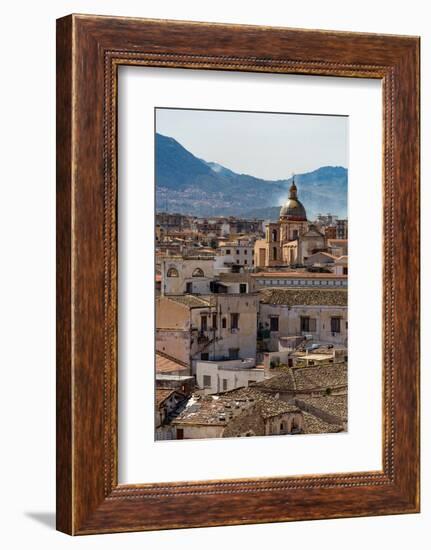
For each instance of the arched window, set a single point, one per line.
(198, 272)
(172, 272)
(274, 234)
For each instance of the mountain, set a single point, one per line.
(271, 213)
(219, 169)
(189, 185)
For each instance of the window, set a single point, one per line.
(295, 234)
(345, 270)
(214, 321)
(198, 272)
(204, 325)
(234, 320)
(223, 322)
(242, 288)
(274, 253)
(172, 272)
(237, 261)
(207, 381)
(228, 251)
(335, 324)
(237, 251)
(233, 353)
(180, 433)
(205, 356)
(245, 262)
(273, 324)
(274, 234)
(189, 288)
(224, 384)
(308, 325)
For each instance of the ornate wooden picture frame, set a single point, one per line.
(89, 51)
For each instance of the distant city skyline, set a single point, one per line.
(265, 145)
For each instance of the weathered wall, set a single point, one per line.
(290, 321)
(175, 343)
(170, 315)
(186, 267)
(285, 423)
(235, 377)
(201, 431)
(223, 339)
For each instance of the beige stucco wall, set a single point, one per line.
(174, 334)
(175, 343)
(290, 321)
(291, 229)
(185, 268)
(319, 258)
(201, 431)
(260, 253)
(289, 252)
(307, 246)
(171, 315)
(281, 246)
(223, 339)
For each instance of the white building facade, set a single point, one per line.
(220, 376)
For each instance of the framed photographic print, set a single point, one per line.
(237, 274)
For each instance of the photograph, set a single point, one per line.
(251, 273)
(213, 319)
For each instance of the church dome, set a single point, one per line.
(293, 208)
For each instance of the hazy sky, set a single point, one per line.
(265, 145)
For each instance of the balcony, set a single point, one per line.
(203, 337)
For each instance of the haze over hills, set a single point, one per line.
(189, 185)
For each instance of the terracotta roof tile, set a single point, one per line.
(335, 405)
(220, 409)
(304, 296)
(297, 379)
(167, 365)
(315, 425)
(162, 394)
(322, 377)
(296, 275)
(190, 300)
